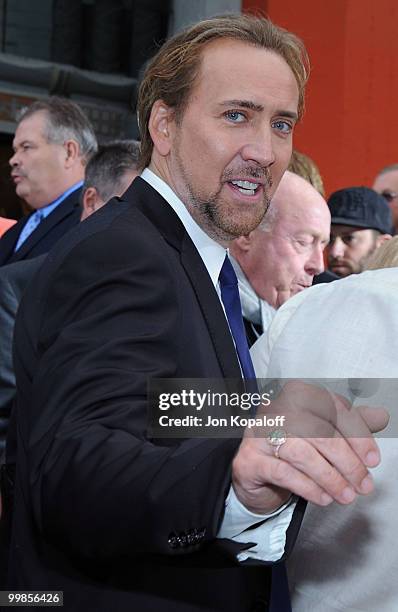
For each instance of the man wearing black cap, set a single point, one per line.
(361, 222)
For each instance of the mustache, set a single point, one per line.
(336, 260)
(249, 171)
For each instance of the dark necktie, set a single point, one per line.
(279, 600)
(233, 310)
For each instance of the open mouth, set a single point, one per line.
(248, 188)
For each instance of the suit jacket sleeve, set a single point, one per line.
(8, 309)
(114, 318)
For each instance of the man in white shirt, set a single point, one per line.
(345, 333)
(281, 257)
(120, 517)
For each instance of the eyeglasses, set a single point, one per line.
(389, 195)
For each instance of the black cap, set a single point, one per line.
(360, 207)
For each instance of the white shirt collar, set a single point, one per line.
(212, 253)
(255, 309)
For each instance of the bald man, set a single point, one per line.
(282, 256)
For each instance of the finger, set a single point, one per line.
(376, 419)
(307, 410)
(355, 429)
(284, 475)
(339, 453)
(262, 481)
(306, 457)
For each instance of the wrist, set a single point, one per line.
(267, 500)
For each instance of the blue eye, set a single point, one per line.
(283, 126)
(235, 116)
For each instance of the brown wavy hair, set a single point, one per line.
(305, 167)
(172, 72)
(386, 256)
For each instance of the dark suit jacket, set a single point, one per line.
(325, 277)
(48, 232)
(13, 281)
(117, 520)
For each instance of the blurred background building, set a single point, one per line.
(93, 51)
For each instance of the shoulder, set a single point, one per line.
(14, 230)
(17, 275)
(5, 224)
(118, 244)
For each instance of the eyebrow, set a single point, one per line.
(20, 144)
(244, 104)
(346, 232)
(258, 107)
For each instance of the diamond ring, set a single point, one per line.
(276, 438)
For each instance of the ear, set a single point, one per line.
(382, 238)
(243, 243)
(72, 152)
(160, 121)
(91, 202)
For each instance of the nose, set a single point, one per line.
(315, 265)
(13, 161)
(260, 147)
(336, 248)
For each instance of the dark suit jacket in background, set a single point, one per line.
(117, 521)
(48, 232)
(325, 277)
(14, 279)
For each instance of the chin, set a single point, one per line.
(341, 272)
(22, 193)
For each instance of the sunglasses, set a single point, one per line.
(389, 195)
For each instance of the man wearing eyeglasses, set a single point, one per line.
(386, 183)
(361, 222)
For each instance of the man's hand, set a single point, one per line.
(325, 457)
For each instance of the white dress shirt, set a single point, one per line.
(254, 309)
(270, 536)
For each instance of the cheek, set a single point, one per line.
(38, 172)
(300, 266)
(39, 166)
(293, 268)
(31, 170)
(293, 272)
(285, 258)
(197, 157)
(208, 152)
(282, 157)
(355, 251)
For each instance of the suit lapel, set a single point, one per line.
(211, 308)
(63, 210)
(160, 213)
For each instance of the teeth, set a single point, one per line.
(246, 186)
